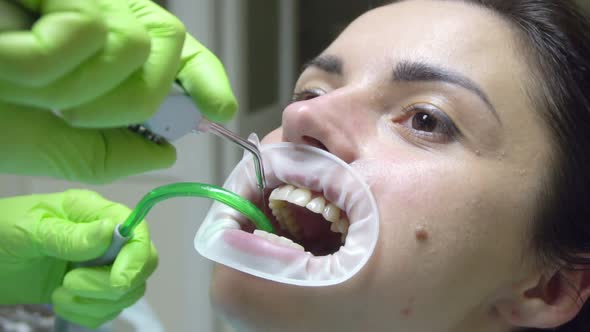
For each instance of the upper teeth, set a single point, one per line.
(304, 198)
(316, 205)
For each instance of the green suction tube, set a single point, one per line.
(193, 189)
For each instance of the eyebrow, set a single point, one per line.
(408, 71)
(327, 63)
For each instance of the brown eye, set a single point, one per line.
(424, 122)
(307, 94)
(427, 122)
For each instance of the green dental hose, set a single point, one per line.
(193, 189)
(124, 231)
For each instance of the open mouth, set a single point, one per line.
(305, 220)
(324, 214)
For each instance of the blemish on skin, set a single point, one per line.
(421, 234)
(522, 172)
(407, 312)
(515, 314)
(477, 153)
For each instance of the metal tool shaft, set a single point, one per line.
(245, 144)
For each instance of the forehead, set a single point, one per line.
(431, 29)
(451, 34)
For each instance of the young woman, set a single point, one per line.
(470, 122)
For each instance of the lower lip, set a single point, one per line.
(257, 246)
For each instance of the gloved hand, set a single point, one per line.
(13, 17)
(42, 236)
(101, 63)
(35, 142)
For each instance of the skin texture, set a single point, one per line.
(473, 194)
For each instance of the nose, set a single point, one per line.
(335, 122)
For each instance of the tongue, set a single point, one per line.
(317, 237)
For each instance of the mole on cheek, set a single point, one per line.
(421, 234)
(407, 311)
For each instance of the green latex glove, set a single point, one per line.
(42, 235)
(101, 63)
(35, 142)
(13, 17)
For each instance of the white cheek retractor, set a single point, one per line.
(221, 238)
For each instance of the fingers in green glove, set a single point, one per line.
(126, 153)
(204, 78)
(56, 235)
(96, 307)
(94, 283)
(73, 242)
(90, 296)
(67, 33)
(116, 61)
(41, 235)
(137, 259)
(133, 266)
(12, 17)
(125, 50)
(92, 312)
(50, 225)
(76, 154)
(143, 91)
(135, 262)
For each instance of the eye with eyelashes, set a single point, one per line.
(307, 94)
(422, 120)
(427, 122)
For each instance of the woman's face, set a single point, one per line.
(427, 101)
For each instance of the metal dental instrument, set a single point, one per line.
(222, 132)
(179, 116)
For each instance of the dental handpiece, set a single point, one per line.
(179, 116)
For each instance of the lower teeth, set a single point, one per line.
(278, 239)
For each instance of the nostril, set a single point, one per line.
(314, 142)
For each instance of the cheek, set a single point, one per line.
(446, 195)
(448, 220)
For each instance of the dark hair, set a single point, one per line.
(555, 34)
